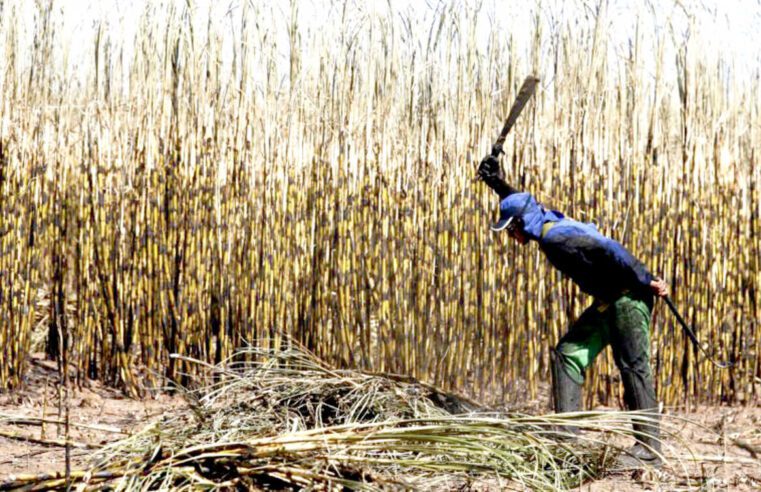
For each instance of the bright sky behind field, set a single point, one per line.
(731, 27)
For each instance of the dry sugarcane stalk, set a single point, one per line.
(46, 442)
(199, 217)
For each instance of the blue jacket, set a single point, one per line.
(600, 266)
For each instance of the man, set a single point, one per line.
(623, 292)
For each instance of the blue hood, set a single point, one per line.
(534, 215)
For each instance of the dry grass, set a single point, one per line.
(284, 419)
(182, 202)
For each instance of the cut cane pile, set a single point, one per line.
(280, 419)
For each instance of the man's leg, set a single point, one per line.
(573, 354)
(630, 338)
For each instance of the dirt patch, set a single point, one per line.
(717, 448)
(713, 448)
(97, 414)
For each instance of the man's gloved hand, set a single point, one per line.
(490, 171)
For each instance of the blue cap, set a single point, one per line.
(511, 208)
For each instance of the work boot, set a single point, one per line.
(636, 457)
(640, 396)
(566, 395)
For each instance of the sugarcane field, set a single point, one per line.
(435, 245)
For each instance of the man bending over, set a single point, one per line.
(619, 316)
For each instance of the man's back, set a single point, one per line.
(600, 266)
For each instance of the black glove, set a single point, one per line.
(491, 173)
(489, 170)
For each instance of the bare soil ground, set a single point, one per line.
(718, 449)
(97, 414)
(724, 442)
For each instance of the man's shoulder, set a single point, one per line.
(568, 228)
